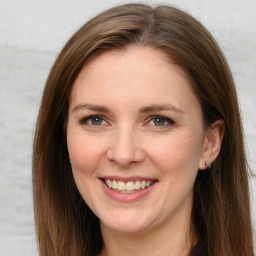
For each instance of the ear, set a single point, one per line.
(212, 143)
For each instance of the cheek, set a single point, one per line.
(178, 153)
(176, 158)
(84, 153)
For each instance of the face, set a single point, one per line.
(136, 139)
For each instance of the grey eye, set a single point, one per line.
(159, 121)
(96, 121)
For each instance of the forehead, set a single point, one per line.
(135, 73)
(134, 59)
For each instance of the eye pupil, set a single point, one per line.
(159, 121)
(96, 121)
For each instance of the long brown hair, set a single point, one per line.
(221, 222)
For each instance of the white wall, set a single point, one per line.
(31, 34)
(45, 25)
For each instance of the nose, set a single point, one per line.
(125, 149)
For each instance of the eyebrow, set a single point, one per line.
(153, 108)
(91, 107)
(146, 109)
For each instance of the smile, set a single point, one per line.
(128, 187)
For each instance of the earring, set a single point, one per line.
(208, 164)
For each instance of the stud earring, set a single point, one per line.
(208, 164)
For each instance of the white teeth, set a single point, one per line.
(114, 184)
(109, 183)
(143, 184)
(128, 186)
(120, 185)
(137, 184)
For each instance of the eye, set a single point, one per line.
(94, 120)
(160, 121)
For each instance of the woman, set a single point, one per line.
(139, 147)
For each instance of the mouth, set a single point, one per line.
(128, 186)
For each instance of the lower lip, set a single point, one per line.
(127, 197)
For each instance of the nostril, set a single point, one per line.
(121, 156)
(125, 149)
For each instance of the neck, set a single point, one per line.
(171, 239)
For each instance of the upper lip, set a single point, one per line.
(126, 179)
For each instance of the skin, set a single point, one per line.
(125, 89)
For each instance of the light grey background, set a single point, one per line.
(31, 34)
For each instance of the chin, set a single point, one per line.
(128, 228)
(127, 222)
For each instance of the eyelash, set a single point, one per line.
(152, 118)
(86, 119)
(162, 118)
